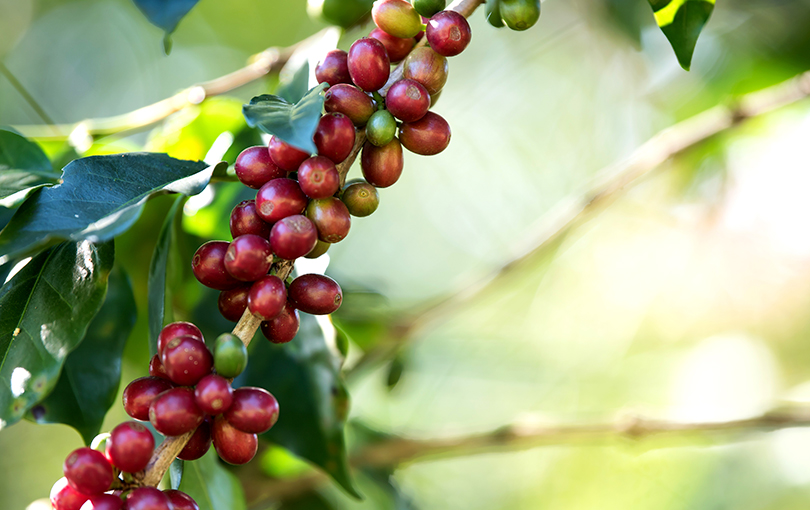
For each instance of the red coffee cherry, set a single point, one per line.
(285, 155)
(156, 368)
(208, 266)
(130, 446)
(249, 257)
(408, 100)
(102, 502)
(254, 167)
(316, 294)
(427, 136)
(427, 67)
(448, 33)
(331, 218)
(396, 47)
(199, 443)
(88, 471)
(181, 501)
(360, 197)
(280, 198)
(333, 69)
(369, 66)
(148, 498)
(246, 220)
(213, 394)
(175, 412)
(267, 297)
(232, 303)
(382, 166)
(334, 137)
(187, 360)
(350, 101)
(65, 497)
(318, 177)
(140, 393)
(396, 17)
(232, 445)
(254, 410)
(293, 237)
(176, 330)
(284, 327)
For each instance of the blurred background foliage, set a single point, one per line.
(686, 299)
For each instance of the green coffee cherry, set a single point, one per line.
(381, 128)
(319, 249)
(428, 8)
(360, 197)
(397, 18)
(520, 14)
(343, 13)
(493, 13)
(230, 355)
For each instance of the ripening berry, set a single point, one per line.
(199, 443)
(187, 360)
(448, 33)
(208, 266)
(176, 330)
(520, 14)
(232, 445)
(396, 47)
(280, 198)
(319, 249)
(293, 237)
(156, 368)
(147, 498)
(382, 166)
(130, 446)
(360, 197)
(181, 501)
(427, 67)
(427, 136)
(140, 393)
(88, 471)
(213, 394)
(428, 8)
(396, 17)
(232, 303)
(248, 257)
(318, 177)
(230, 355)
(285, 155)
(408, 100)
(381, 128)
(331, 218)
(175, 412)
(65, 497)
(254, 167)
(316, 294)
(253, 410)
(101, 502)
(245, 220)
(334, 137)
(333, 69)
(350, 101)
(267, 297)
(283, 327)
(369, 66)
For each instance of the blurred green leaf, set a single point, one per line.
(23, 165)
(211, 485)
(293, 123)
(165, 14)
(309, 501)
(176, 473)
(46, 310)
(89, 381)
(627, 16)
(295, 88)
(682, 21)
(99, 198)
(395, 370)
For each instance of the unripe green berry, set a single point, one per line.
(344, 13)
(397, 18)
(493, 13)
(319, 249)
(230, 355)
(520, 14)
(381, 128)
(428, 8)
(360, 197)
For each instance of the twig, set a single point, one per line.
(32, 102)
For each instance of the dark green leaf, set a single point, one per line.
(395, 370)
(165, 14)
(89, 381)
(295, 124)
(682, 21)
(176, 473)
(296, 87)
(309, 501)
(45, 310)
(23, 165)
(99, 198)
(304, 377)
(211, 485)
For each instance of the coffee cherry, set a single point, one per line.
(102, 502)
(254, 410)
(246, 220)
(350, 101)
(334, 137)
(213, 394)
(88, 471)
(280, 198)
(316, 294)
(318, 250)
(230, 355)
(360, 197)
(232, 445)
(382, 166)
(435, 98)
(156, 368)
(520, 14)
(65, 497)
(181, 501)
(285, 155)
(318, 177)
(381, 128)
(248, 258)
(293, 237)
(175, 412)
(199, 443)
(232, 303)
(396, 17)
(331, 218)
(187, 360)
(267, 297)
(493, 14)
(427, 67)
(254, 167)
(333, 69)
(369, 66)
(427, 136)
(428, 8)
(284, 327)
(208, 266)
(148, 498)
(408, 100)
(396, 47)
(140, 393)
(448, 33)
(130, 446)
(176, 330)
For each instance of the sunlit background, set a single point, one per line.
(686, 299)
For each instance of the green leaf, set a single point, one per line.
(157, 271)
(309, 501)
(23, 165)
(682, 21)
(45, 311)
(88, 385)
(165, 14)
(99, 198)
(304, 376)
(176, 473)
(211, 485)
(295, 88)
(295, 124)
